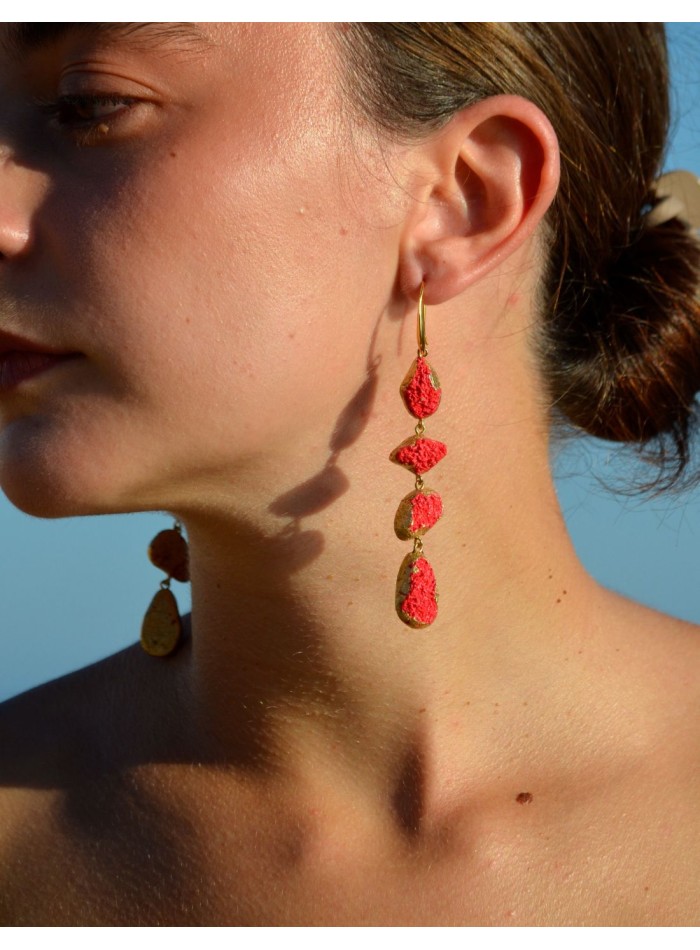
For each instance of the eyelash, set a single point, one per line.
(82, 129)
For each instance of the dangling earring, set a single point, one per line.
(416, 592)
(161, 629)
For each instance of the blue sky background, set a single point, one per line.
(75, 590)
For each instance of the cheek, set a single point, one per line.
(248, 278)
(222, 303)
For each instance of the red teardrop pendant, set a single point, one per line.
(416, 592)
(420, 389)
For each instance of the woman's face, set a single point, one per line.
(207, 247)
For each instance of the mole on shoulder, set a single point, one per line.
(524, 798)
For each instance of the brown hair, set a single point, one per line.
(619, 342)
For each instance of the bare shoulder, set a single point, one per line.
(51, 734)
(74, 728)
(69, 749)
(656, 659)
(46, 728)
(671, 644)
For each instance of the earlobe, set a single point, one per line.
(487, 179)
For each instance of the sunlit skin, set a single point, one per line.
(237, 258)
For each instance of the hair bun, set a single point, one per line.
(631, 357)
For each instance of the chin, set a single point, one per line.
(51, 474)
(36, 501)
(45, 497)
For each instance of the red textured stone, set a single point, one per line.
(420, 389)
(416, 592)
(419, 454)
(417, 512)
(169, 552)
(426, 509)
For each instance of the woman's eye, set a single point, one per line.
(81, 115)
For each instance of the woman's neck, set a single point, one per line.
(299, 664)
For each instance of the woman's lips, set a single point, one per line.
(18, 365)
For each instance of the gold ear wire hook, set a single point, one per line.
(422, 342)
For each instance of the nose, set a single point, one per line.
(18, 192)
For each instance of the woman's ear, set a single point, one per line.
(482, 184)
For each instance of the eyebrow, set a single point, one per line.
(21, 39)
